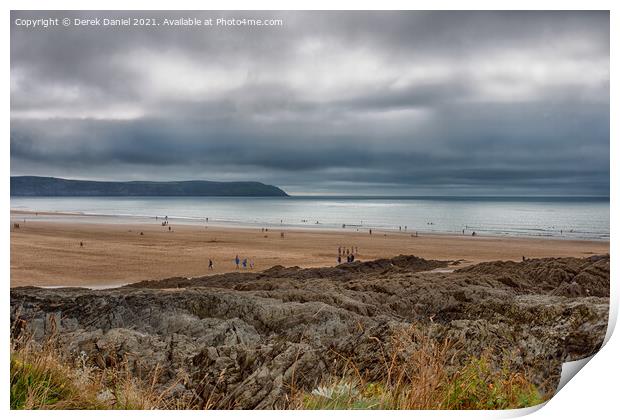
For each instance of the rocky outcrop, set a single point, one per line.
(248, 340)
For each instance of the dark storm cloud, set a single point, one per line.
(402, 103)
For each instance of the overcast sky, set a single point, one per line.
(412, 103)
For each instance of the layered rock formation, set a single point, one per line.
(248, 340)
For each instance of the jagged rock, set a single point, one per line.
(249, 340)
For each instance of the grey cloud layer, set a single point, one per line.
(406, 103)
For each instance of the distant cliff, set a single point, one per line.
(34, 186)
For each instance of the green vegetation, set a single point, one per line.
(35, 186)
(42, 383)
(42, 380)
(424, 379)
(478, 387)
(475, 387)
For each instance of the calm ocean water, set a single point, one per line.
(585, 218)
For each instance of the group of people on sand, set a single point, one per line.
(243, 263)
(349, 253)
(165, 222)
(240, 263)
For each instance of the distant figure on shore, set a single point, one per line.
(416, 233)
(237, 261)
(206, 219)
(524, 258)
(169, 228)
(210, 264)
(343, 225)
(400, 228)
(352, 257)
(370, 231)
(281, 234)
(244, 263)
(339, 251)
(166, 217)
(463, 231)
(339, 259)
(81, 244)
(251, 264)
(473, 234)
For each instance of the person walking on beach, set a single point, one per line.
(237, 261)
(210, 264)
(339, 259)
(251, 264)
(245, 263)
(370, 231)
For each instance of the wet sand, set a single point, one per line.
(48, 253)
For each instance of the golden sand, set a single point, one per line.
(45, 253)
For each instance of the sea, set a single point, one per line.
(554, 217)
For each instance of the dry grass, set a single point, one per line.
(42, 378)
(420, 373)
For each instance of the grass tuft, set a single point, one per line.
(42, 380)
(423, 378)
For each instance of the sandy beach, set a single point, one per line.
(48, 253)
